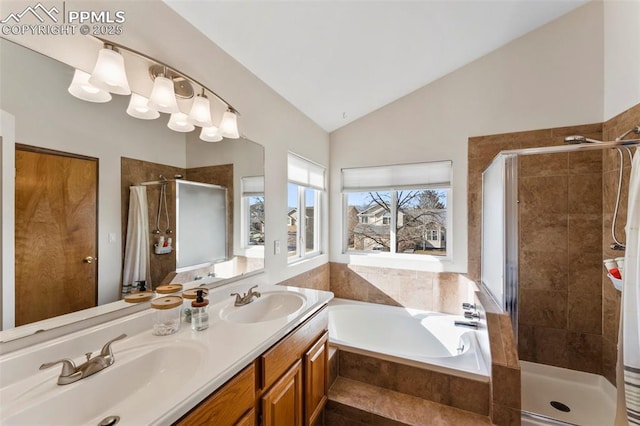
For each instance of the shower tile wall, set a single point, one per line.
(137, 171)
(560, 213)
(611, 298)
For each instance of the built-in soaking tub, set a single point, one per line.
(422, 339)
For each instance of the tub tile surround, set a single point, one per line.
(429, 291)
(355, 403)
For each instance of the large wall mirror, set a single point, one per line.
(114, 151)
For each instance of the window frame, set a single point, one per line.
(436, 175)
(315, 183)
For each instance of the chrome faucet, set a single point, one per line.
(247, 298)
(70, 373)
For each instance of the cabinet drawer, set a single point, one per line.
(227, 404)
(277, 360)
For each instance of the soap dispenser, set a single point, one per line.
(199, 312)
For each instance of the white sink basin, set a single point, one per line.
(269, 306)
(134, 382)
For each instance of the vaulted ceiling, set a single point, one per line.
(338, 60)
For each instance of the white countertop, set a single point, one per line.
(212, 357)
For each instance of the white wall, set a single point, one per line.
(153, 28)
(550, 77)
(621, 56)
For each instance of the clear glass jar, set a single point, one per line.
(189, 296)
(166, 316)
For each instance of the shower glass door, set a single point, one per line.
(500, 232)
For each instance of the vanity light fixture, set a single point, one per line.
(200, 113)
(163, 96)
(109, 73)
(179, 122)
(229, 125)
(138, 108)
(211, 134)
(82, 89)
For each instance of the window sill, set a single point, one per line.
(418, 262)
(297, 260)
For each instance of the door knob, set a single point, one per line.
(89, 259)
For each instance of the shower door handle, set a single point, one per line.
(89, 259)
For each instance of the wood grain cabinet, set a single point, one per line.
(316, 379)
(287, 385)
(232, 404)
(282, 403)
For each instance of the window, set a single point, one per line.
(252, 211)
(406, 207)
(304, 193)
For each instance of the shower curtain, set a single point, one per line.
(630, 343)
(136, 256)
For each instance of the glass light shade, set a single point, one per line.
(109, 73)
(179, 123)
(229, 125)
(210, 134)
(163, 98)
(200, 113)
(138, 108)
(82, 89)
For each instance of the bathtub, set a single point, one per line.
(422, 339)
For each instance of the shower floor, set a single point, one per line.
(590, 398)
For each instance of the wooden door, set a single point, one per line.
(282, 404)
(316, 379)
(56, 231)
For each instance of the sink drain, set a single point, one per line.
(560, 406)
(109, 421)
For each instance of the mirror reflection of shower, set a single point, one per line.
(578, 139)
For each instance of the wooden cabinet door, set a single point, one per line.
(316, 379)
(282, 404)
(248, 419)
(228, 405)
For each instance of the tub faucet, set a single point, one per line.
(70, 373)
(472, 323)
(247, 298)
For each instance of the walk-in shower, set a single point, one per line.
(545, 220)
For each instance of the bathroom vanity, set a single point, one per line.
(263, 363)
(288, 384)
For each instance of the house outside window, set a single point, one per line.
(252, 210)
(405, 206)
(304, 194)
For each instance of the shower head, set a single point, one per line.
(635, 130)
(577, 139)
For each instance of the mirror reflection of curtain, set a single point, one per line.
(136, 257)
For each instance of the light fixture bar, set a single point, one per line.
(171, 69)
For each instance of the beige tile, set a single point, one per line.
(542, 270)
(585, 352)
(505, 416)
(506, 386)
(526, 342)
(551, 346)
(498, 355)
(450, 291)
(543, 308)
(543, 194)
(585, 162)
(509, 342)
(469, 395)
(546, 233)
(609, 360)
(585, 194)
(554, 165)
(585, 312)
